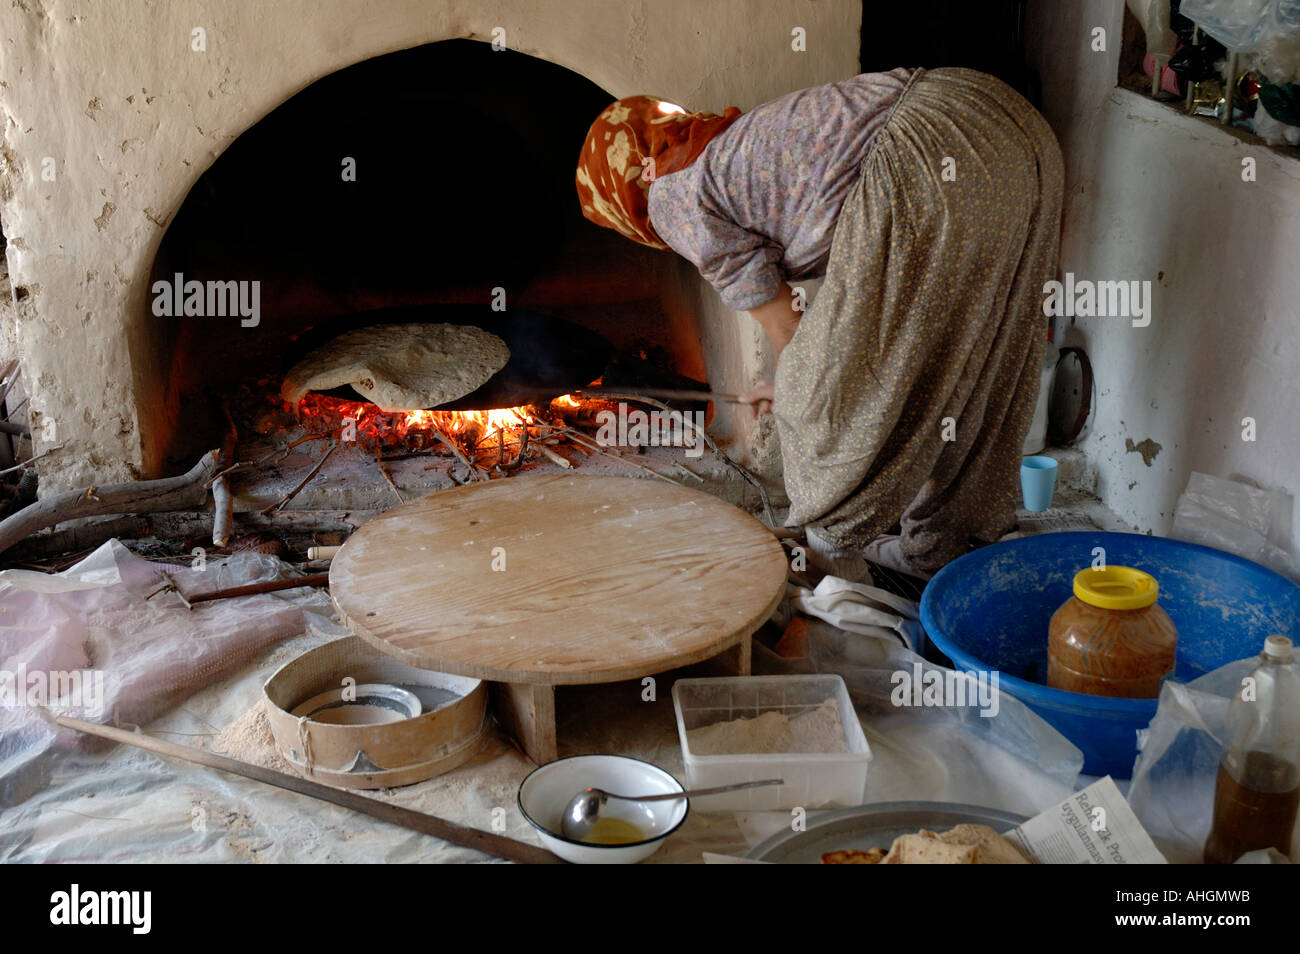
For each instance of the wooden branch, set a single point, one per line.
(271, 586)
(712, 445)
(379, 462)
(520, 457)
(10, 378)
(581, 439)
(303, 483)
(22, 464)
(473, 471)
(223, 505)
(498, 845)
(553, 457)
(144, 496)
(663, 394)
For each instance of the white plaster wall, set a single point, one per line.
(1152, 194)
(112, 91)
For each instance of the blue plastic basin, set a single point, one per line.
(990, 610)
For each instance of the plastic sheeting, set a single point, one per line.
(1154, 17)
(128, 805)
(1236, 517)
(88, 642)
(1244, 24)
(1172, 791)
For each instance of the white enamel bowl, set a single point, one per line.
(546, 791)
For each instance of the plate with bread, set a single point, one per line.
(898, 833)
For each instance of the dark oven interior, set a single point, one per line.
(433, 184)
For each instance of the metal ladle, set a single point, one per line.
(583, 810)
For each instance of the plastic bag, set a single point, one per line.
(1154, 17)
(1244, 24)
(1009, 758)
(89, 642)
(1172, 791)
(1236, 517)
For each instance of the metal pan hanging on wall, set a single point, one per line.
(1070, 404)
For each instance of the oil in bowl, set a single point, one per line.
(613, 831)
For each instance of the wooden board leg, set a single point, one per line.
(528, 713)
(737, 659)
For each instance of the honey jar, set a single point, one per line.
(1111, 638)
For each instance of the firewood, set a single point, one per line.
(223, 504)
(270, 586)
(145, 496)
(334, 445)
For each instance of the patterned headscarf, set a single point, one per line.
(630, 143)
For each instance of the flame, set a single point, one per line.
(373, 423)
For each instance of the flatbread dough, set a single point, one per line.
(401, 367)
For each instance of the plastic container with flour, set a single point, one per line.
(813, 779)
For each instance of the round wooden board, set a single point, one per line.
(604, 579)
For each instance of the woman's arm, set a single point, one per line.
(779, 319)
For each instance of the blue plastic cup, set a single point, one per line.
(1037, 482)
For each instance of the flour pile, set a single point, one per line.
(819, 731)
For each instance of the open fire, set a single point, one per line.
(319, 412)
(497, 440)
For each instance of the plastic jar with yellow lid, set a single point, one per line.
(1111, 638)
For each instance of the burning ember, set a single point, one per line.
(498, 441)
(323, 413)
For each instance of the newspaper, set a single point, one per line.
(1094, 826)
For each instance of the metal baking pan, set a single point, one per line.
(873, 826)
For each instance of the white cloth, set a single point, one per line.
(862, 609)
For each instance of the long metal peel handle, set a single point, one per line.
(717, 789)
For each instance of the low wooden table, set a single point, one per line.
(542, 580)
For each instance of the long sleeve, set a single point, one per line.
(743, 266)
(759, 204)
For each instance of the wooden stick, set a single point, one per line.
(22, 464)
(270, 586)
(146, 496)
(713, 446)
(522, 455)
(223, 518)
(473, 471)
(379, 463)
(334, 445)
(498, 846)
(580, 438)
(664, 394)
(10, 378)
(553, 457)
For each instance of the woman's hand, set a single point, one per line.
(759, 399)
(779, 319)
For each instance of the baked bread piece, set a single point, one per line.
(993, 848)
(851, 856)
(962, 845)
(925, 848)
(401, 367)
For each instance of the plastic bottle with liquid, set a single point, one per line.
(1258, 786)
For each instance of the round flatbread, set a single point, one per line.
(401, 367)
